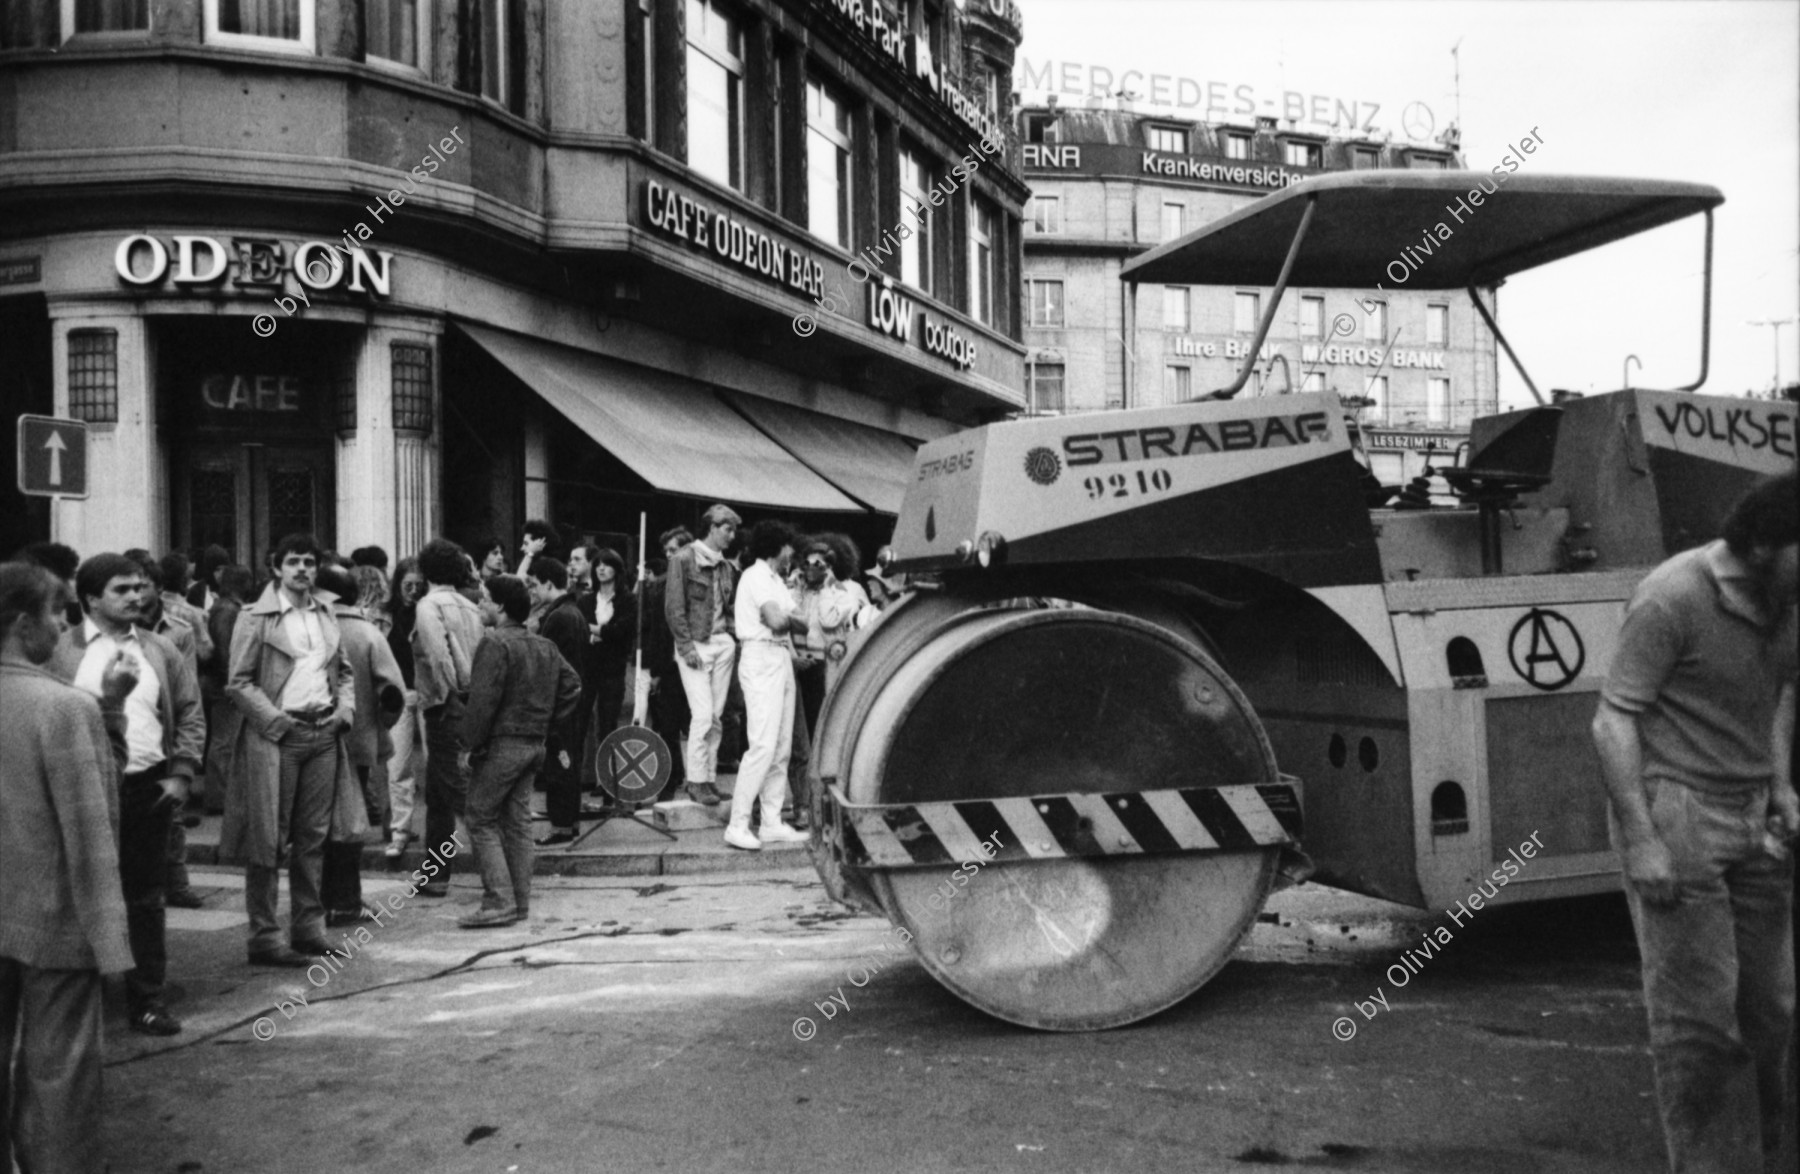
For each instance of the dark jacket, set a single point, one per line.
(179, 706)
(219, 625)
(659, 642)
(688, 599)
(399, 640)
(618, 636)
(519, 686)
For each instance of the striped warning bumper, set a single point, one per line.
(1054, 827)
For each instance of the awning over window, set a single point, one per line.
(867, 463)
(674, 433)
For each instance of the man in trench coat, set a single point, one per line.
(291, 781)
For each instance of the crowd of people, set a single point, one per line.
(321, 701)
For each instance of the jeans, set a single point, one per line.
(407, 768)
(500, 821)
(309, 762)
(707, 687)
(446, 779)
(50, 1119)
(144, 877)
(1718, 981)
(767, 673)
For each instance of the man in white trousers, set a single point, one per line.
(766, 611)
(697, 604)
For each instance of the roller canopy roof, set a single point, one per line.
(1365, 218)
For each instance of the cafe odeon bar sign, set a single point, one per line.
(189, 261)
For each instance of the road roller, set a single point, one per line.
(1160, 661)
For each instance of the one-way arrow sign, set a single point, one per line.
(52, 457)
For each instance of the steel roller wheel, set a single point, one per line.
(985, 703)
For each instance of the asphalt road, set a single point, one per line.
(646, 1024)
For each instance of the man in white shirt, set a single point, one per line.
(165, 736)
(766, 612)
(298, 696)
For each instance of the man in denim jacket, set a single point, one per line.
(697, 603)
(521, 688)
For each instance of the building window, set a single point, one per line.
(395, 31)
(1167, 138)
(413, 388)
(1375, 322)
(715, 116)
(983, 225)
(1375, 387)
(1437, 400)
(105, 16)
(344, 399)
(1042, 128)
(1046, 303)
(1364, 159)
(1427, 163)
(1437, 325)
(1176, 302)
(827, 165)
(94, 376)
(1237, 146)
(285, 26)
(1047, 387)
(1247, 312)
(915, 205)
(1178, 384)
(1388, 468)
(1174, 221)
(1314, 381)
(502, 79)
(1046, 214)
(990, 92)
(1312, 317)
(1303, 154)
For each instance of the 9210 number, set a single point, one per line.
(1127, 485)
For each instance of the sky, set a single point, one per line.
(1694, 90)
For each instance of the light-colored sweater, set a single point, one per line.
(61, 907)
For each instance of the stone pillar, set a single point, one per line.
(386, 475)
(128, 480)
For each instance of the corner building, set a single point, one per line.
(1109, 183)
(386, 269)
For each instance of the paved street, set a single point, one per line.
(645, 1023)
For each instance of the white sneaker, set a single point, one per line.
(782, 833)
(743, 838)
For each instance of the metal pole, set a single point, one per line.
(1268, 318)
(1504, 345)
(1629, 360)
(1705, 311)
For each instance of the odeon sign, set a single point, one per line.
(143, 261)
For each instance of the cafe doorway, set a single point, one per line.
(251, 427)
